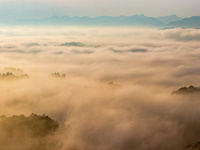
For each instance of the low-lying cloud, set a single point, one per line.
(129, 50)
(115, 96)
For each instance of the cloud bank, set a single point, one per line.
(117, 90)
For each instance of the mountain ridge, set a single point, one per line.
(136, 20)
(169, 19)
(193, 21)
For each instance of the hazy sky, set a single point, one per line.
(20, 9)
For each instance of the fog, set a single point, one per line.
(117, 90)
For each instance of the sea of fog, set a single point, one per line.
(117, 90)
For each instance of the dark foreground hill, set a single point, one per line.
(28, 133)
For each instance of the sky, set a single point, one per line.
(26, 9)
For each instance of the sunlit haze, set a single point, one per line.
(117, 82)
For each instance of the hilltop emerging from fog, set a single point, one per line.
(187, 90)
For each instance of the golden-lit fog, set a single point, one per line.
(116, 94)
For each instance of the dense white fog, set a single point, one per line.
(117, 90)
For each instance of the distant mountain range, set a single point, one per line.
(134, 21)
(169, 19)
(193, 22)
